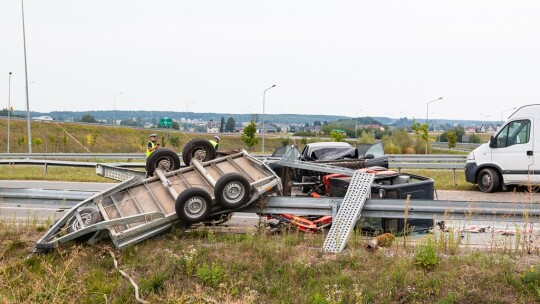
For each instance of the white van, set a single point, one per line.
(512, 155)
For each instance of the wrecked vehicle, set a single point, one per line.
(340, 154)
(387, 184)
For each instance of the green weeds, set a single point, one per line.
(205, 266)
(426, 253)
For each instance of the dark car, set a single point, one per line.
(339, 154)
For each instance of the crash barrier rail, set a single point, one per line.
(462, 147)
(59, 163)
(504, 212)
(74, 155)
(396, 161)
(429, 161)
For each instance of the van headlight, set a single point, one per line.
(470, 156)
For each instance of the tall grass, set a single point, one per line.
(210, 267)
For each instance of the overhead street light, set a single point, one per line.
(26, 77)
(506, 111)
(114, 108)
(427, 116)
(187, 110)
(264, 129)
(9, 110)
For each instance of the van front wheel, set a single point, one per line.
(488, 180)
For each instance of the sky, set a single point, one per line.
(353, 58)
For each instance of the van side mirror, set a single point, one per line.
(492, 142)
(369, 156)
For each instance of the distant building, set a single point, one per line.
(267, 127)
(374, 127)
(213, 126)
(313, 129)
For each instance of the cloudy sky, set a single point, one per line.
(366, 58)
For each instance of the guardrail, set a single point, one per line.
(396, 161)
(378, 208)
(429, 161)
(140, 156)
(75, 155)
(462, 147)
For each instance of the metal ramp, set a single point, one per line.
(117, 173)
(349, 212)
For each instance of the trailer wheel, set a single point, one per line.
(488, 180)
(193, 205)
(89, 217)
(232, 190)
(164, 159)
(200, 149)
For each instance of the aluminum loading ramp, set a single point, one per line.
(349, 212)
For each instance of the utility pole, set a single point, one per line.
(26, 77)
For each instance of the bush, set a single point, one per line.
(392, 149)
(474, 139)
(452, 139)
(248, 135)
(409, 150)
(402, 139)
(531, 279)
(425, 254)
(211, 275)
(366, 138)
(337, 136)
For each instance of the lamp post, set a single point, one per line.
(187, 110)
(26, 78)
(427, 116)
(506, 111)
(114, 107)
(264, 129)
(9, 110)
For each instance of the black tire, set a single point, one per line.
(89, 216)
(488, 180)
(162, 158)
(193, 205)
(232, 190)
(198, 148)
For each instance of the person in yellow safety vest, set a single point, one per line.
(215, 142)
(151, 145)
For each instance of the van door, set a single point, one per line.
(512, 151)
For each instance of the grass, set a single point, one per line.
(16, 172)
(444, 179)
(207, 267)
(54, 138)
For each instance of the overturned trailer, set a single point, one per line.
(139, 208)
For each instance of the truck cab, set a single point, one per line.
(511, 156)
